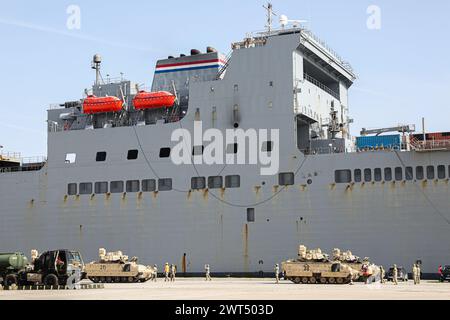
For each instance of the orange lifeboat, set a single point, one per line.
(153, 100)
(93, 104)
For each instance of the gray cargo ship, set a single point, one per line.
(110, 179)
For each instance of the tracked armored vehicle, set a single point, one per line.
(115, 267)
(367, 271)
(312, 266)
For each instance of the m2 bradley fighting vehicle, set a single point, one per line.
(367, 271)
(114, 267)
(312, 266)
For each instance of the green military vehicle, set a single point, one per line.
(10, 265)
(312, 266)
(52, 268)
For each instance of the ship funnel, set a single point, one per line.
(195, 52)
(210, 50)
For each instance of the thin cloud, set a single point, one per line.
(84, 37)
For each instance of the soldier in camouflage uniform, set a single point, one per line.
(395, 275)
(382, 274)
(155, 276)
(208, 272)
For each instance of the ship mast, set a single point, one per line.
(270, 13)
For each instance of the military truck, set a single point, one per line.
(312, 266)
(10, 265)
(52, 268)
(115, 267)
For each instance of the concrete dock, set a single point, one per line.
(242, 289)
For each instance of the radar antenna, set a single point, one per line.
(270, 13)
(96, 62)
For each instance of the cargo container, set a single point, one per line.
(378, 142)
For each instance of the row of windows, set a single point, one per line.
(101, 156)
(397, 174)
(198, 183)
(149, 185)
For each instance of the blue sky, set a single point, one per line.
(403, 68)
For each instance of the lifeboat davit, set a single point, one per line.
(153, 100)
(93, 104)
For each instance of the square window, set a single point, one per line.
(215, 182)
(430, 173)
(86, 188)
(399, 174)
(72, 189)
(251, 215)
(149, 185)
(343, 176)
(198, 150)
(133, 186)
(367, 175)
(164, 153)
(409, 173)
(101, 187)
(286, 179)
(116, 186)
(132, 154)
(388, 174)
(232, 148)
(233, 181)
(441, 172)
(165, 184)
(377, 175)
(101, 156)
(419, 173)
(358, 175)
(267, 146)
(198, 183)
(71, 158)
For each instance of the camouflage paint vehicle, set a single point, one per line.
(367, 271)
(312, 266)
(114, 267)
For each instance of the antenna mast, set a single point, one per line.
(96, 62)
(270, 13)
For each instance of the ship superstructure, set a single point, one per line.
(109, 179)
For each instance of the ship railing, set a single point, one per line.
(321, 86)
(324, 150)
(26, 164)
(430, 145)
(10, 155)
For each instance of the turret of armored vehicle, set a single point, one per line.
(115, 267)
(313, 266)
(367, 271)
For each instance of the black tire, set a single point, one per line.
(51, 280)
(305, 280)
(340, 280)
(297, 280)
(332, 280)
(11, 279)
(312, 280)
